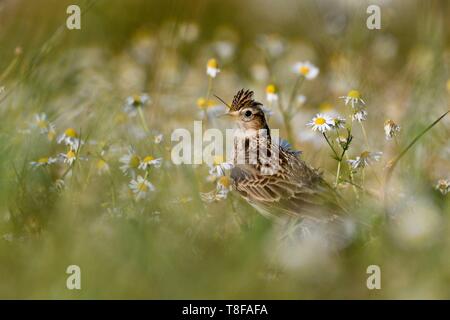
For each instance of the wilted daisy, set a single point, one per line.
(211, 107)
(223, 187)
(149, 161)
(141, 187)
(338, 121)
(70, 138)
(132, 103)
(321, 122)
(42, 123)
(68, 157)
(212, 68)
(218, 166)
(271, 93)
(44, 161)
(158, 138)
(354, 98)
(359, 115)
(130, 162)
(391, 129)
(306, 69)
(101, 166)
(443, 185)
(365, 159)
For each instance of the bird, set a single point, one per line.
(278, 187)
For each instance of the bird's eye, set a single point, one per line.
(248, 113)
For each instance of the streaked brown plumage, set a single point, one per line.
(287, 188)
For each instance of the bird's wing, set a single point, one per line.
(295, 190)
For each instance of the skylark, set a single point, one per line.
(277, 186)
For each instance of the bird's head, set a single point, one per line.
(247, 112)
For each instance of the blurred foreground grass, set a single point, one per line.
(171, 244)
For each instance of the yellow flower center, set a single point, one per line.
(137, 100)
(354, 94)
(142, 187)
(134, 161)
(224, 181)
(365, 154)
(325, 106)
(70, 132)
(201, 102)
(212, 63)
(42, 124)
(271, 88)
(217, 160)
(70, 154)
(101, 164)
(43, 160)
(320, 121)
(148, 159)
(304, 70)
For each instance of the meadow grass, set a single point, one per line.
(171, 243)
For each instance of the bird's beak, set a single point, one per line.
(229, 114)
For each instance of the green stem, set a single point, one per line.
(142, 117)
(394, 162)
(297, 85)
(365, 135)
(332, 148)
(338, 172)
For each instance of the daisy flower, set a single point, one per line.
(443, 185)
(211, 107)
(44, 161)
(223, 187)
(359, 115)
(338, 122)
(391, 129)
(365, 159)
(306, 69)
(271, 93)
(132, 103)
(42, 123)
(321, 122)
(354, 98)
(158, 138)
(70, 138)
(130, 162)
(212, 68)
(141, 187)
(326, 107)
(69, 157)
(150, 161)
(102, 166)
(218, 166)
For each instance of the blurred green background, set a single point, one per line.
(172, 245)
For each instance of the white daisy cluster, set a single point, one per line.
(131, 164)
(353, 98)
(365, 159)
